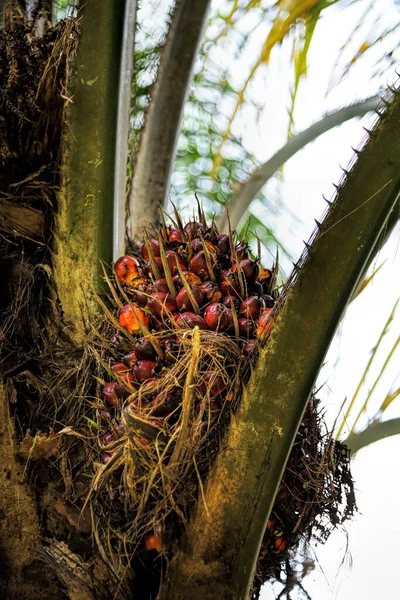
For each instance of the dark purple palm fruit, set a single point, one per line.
(108, 438)
(160, 303)
(216, 316)
(249, 346)
(252, 307)
(110, 395)
(250, 269)
(212, 383)
(161, 285)
(148, 268)
(163, 405)
(155, 247)
(196, 245)
(144, 350)
(105, 458)
(183, 299)
(189, 320)
(189, 276)
(230, 301)
(171, 348)
(139, 294)
(241, 251)
(246, 327)
(223, 244)
(211, 292)
(193, 229)
(268, 301)
(255, 289)
(129, 359)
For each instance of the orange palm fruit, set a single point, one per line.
(130, 316)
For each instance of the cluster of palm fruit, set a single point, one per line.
(182, 278)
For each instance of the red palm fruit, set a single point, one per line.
(108, 438)
(144, 350)
(153, 542)
(269, 301)
(250, 269)
(119, 368)
(174, 235)
(183, 301)
(223, 243)
(129, 317)
(193, 229)
(161, 302)
(161, 285)
(105, 458)
(251, 307)
(213, 383)
(189, 320)
(127, 269)
(280, 546)
(249, 346)
(144, 369)
(246, 327)
(198, 264)
(129, 359)
(241, 252)
(172, 257)
(211, 292)
(264, 323)
(109, 394)
(189, 276)
(216, 316)
(229, 283)
(140, 294)
(154, 245)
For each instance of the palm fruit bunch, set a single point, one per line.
(183, 278)
(191, 307)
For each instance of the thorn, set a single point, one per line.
(327, 201)
(369, 131)
(296, 266)
(345, 171)
(385, 102)
(318, 223)
(356, 150)
(307, 245)
(379, 113)
(335, 186)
